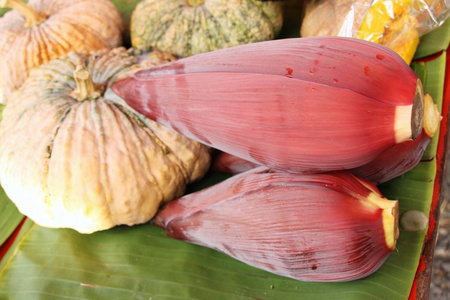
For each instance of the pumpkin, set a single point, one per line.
(74, 155)
(188, 27)
(34, 33)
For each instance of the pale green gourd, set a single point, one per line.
(75, 156)
(188, 27)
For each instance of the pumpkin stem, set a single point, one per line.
(85, 89)
(32, 17)
(195, 2)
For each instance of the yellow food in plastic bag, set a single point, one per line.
(397, 24)
(401, 35)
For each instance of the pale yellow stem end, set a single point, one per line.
(409, 118)
(431, 116)
(85, 89)
(402, 126)
(389, 215)
(32, 17)
(390, 225)
(195, 2)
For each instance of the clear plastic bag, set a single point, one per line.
(397, 24)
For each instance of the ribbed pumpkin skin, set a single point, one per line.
(174, 26)
(93, 164)
(79, 25)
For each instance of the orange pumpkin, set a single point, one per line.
(34, 33)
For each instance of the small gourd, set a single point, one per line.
(34, 33)
(188, 27)
(74, 155)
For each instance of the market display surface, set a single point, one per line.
(246, 235)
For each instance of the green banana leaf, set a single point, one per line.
(2, 11)
(10, 217)
(140, 262)
(436, 41)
